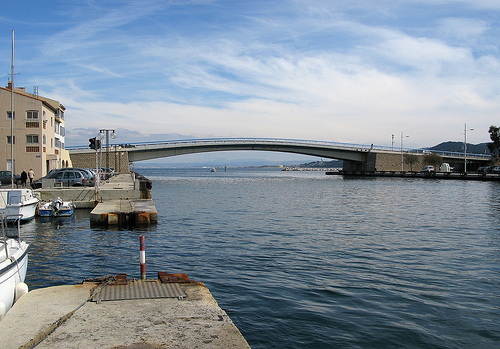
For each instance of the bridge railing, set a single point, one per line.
(275, 141)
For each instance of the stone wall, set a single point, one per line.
(392, 162)
(117, 160)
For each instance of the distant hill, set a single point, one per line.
(457, 147)
(480, 148)
(323, 164)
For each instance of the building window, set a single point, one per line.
(44, 139)
(9, 115)
(31, 115)
(8, 140)
(32, 139)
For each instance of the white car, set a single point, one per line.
(427, 169)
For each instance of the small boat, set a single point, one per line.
(213, 169)
(18, 204)
(56, 208)
(13, 266)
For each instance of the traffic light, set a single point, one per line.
(98, 144)
(92, 143)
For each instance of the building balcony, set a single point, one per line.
(32, 124)
(32, 149)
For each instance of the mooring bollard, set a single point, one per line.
(142, 243)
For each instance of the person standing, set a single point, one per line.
(24, 178)
(31, 175)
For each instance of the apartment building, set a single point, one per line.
(39, 133)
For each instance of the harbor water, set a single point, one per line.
(305, 260)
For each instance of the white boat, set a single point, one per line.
(56, 208)
(13, 266)
(18, 204)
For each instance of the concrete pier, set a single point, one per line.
(124, 212)
(68, 317)
(120, 186)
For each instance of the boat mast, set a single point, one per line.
(12, 116)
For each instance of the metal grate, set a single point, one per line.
(139, 290)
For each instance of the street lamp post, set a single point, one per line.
(113, 136)
(117, 153)
(465, 146)
(402, 166)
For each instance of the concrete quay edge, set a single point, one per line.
(120, 186)
(195, 322)
(423, 175)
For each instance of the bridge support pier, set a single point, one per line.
(369, 165)
(380, 161)
(376, 161)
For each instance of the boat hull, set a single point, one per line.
(18, 204)
(61, 213)
(25, 211)
(56, 209)
(12, 271)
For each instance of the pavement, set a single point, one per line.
(63, 317)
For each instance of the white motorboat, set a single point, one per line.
(13, 266)
(18, 204)
(56, 208)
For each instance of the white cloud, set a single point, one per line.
(343, 71)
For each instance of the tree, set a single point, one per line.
(433, 159)
(494, 146)
(411, 159)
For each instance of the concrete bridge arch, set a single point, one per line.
(355, 156)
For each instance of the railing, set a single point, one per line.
(281, 141)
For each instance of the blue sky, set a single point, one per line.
(346, 71)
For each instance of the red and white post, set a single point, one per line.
(142, 243)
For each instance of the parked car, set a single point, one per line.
(427, 169)
(106, 173)
(88, 174)
(6, 178)
(484, 169)
(67, 177)
(496, 169)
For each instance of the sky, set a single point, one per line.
(360, 71)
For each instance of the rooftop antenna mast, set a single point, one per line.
(12, 116)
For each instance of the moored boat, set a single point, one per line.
(18, 204)
(56, 208)
(13, 266)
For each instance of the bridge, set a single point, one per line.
(355, 156)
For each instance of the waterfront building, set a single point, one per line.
(39, 133)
